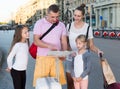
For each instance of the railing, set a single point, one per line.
(110, 34)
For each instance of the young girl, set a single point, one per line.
(19, 51)
(81, 64)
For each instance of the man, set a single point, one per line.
(54, 40)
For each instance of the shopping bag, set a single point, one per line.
(47, 83)
(33, 50)
(107, 72)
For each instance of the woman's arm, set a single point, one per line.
(93, 47)
(42, 44)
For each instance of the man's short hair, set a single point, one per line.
(54, 8)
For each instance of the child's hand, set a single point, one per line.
(74, 79)
(79, 79)
(8, 70)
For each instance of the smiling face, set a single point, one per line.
(25, 34)
(53, 17)
(78, 16)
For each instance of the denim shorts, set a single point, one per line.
(68, 64)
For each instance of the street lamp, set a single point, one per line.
(67, 4)
(86, 13)
(68, 14)
(62, 10)
(92, 18)
(90, 15)
(89, 12)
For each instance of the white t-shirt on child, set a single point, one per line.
(78, 66)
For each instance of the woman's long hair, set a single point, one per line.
(17, 36)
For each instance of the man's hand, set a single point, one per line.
(52, 47)
(62, 58)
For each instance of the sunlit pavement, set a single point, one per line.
(111, 52)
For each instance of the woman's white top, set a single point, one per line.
(20, 53)
(74, 32)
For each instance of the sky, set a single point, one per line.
(7, 7)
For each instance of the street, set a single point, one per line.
(110, 48)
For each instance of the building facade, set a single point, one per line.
(107, 13)
(32, 11)
(99, 13)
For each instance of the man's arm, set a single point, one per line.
(43, 44)
(39, 42)
(63, 46)
(68, 44)
(64, 42)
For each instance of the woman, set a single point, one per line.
(77, 27)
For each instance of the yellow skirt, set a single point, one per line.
(46, 66)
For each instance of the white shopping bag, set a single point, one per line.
(47, 83)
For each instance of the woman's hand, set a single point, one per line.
(100, 53)
(73, 54)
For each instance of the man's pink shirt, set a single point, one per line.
(53, 37)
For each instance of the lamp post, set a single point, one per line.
(67, 4)
(68, 14)
(90, 15)
(86, 13)
(89, 12)
(62, 10)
